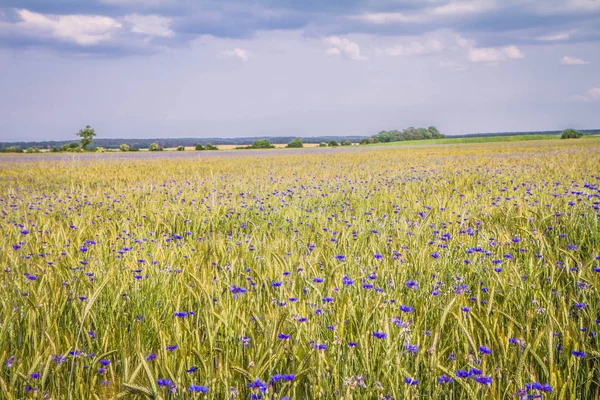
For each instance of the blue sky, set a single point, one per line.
(183, 68)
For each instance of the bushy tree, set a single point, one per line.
(333, 143)
(262, 144)
(87, 136)
(73, 145)
(322, 144)
(124, 147)
(199, 147)
(571, 134)
(296, 143)
(366, 141)
(346, 143)
(210, 147)
(154, 147)
(180, 148)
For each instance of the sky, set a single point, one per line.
(230, 68)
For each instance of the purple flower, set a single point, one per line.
(198, 389)
(379, 335)
(484, 380)
(407, 309)
(579, 354)
(485, 350)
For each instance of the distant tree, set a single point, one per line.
(296, 143)
(435, 134)
(262, 144)
(346, 143)
(73, 145)
(99, 149)
(180, 148)
(124, 147)
(32, 150)
(571, 134)
(333, 143)
(322, 144)
(366, 141)
(87, 136)
(209, 146)
(199, 147)
(154, 147)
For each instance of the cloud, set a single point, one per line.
(341, 46)
(237, 52)
(494, 54)
(153, 25)
(449, 10)
(84, 30)
(566, 60)
(592, 94)
(415, 48)
(554, 37)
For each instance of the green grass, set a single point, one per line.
(487, 139)
(175, 235)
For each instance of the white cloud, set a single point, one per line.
(85, 30)
(556, 36)
(342, 46)
(153, 25)
(566, 60)
(415, 48)
(591, 95)
(237, 52)
(494, 54)
(453, 9)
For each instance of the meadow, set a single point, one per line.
(393, 272)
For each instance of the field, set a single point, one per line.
(451, 271)
(479, 139)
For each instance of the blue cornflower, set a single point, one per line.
(34, 375)
(410, 381)
(463, 374)
(579, 354)
(445, 379)
(198, 389)
(484, 380)
(283, 336)
(412, 284)
(407, 309)
(191, 369)
(327, 299)
(180, 314)
(379, 335)
(276, 284)
(105, 362)
(485, 350)
(340, 257)
(151, 357)
(164, 382)
(318, 280)
(172, 348)
(347, 281)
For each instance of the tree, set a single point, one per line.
(73, 145)
(87, 136)
(366, 141)
(296, 143)
(346, 143)
(199, 147)
(262, 144)
(322, 144)
(333, 143)
(435, 134)
(124, 147)
(210, 147)
(180, 148)
(571, 134)
(154, 147)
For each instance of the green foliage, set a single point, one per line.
(199, 147)
(154, 147)
(296, 143)
(210, 147)
(333, 143)
(322, 144)
(366, 141)
(87, 135)
(73, 145)
(180, 148)
(571, 134)
(259, 144)
(346, 143)
(407, 134)
(124, 147)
